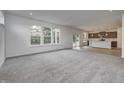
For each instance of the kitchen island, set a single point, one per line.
(100, 44)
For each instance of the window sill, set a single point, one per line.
(45, 45)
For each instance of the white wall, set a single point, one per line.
(2, 40)
(18, 36)
(123, 36)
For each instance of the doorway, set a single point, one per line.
(76, 41)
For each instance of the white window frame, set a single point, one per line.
(31, 34)
(42, 36)
(56, 36)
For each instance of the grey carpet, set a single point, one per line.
(65, 66)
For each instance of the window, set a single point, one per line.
(44, 35)
(76, 38)
(56, 36)
(47, 35)
(35, 35)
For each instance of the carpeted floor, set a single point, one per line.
(64, 66)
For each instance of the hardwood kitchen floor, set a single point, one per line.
(114, 51)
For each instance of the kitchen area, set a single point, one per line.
(102, 42)
(103, 39)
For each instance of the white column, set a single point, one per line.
(2, 39)
(123, 36)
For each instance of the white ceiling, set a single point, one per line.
(83, 19)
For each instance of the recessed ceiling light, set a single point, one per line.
(30, 13)
(110, 10)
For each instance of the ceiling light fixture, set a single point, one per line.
(30, 13)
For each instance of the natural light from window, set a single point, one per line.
(44, 35)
